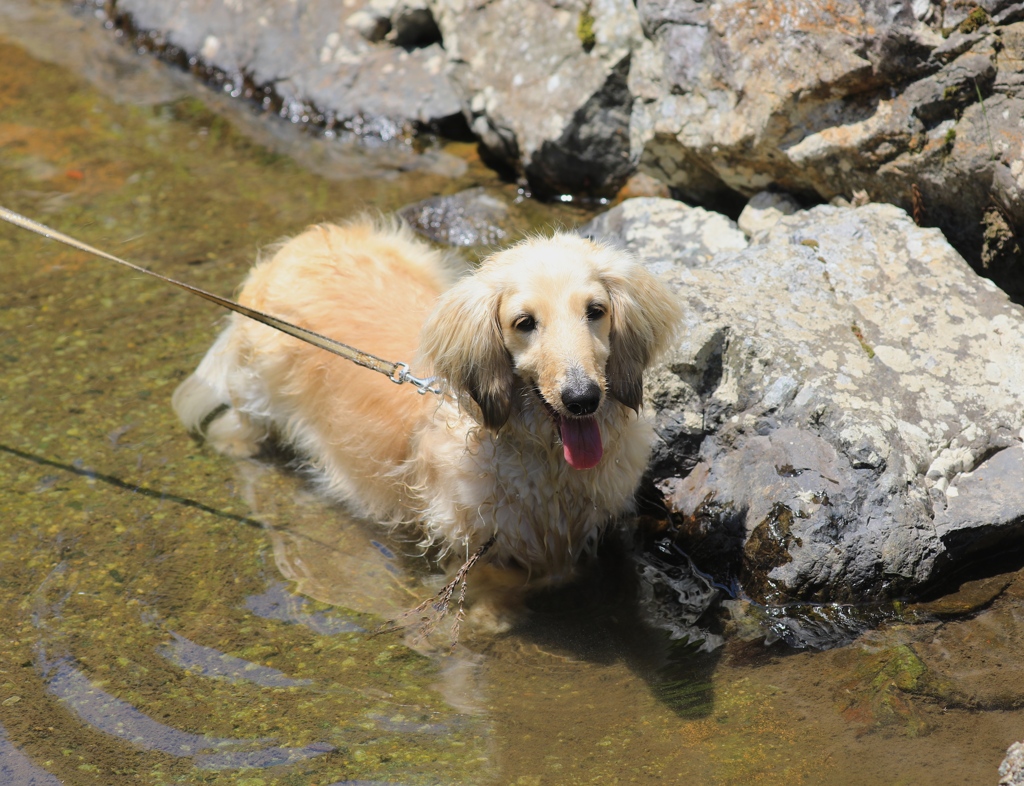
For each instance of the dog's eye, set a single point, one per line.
(596, 311)
(525, 323)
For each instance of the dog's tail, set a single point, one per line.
(203, 403)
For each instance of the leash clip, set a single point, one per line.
(400, 375)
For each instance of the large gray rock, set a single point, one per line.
(830, 99)
(314, 56)
(667, 230)
(544, 85)
(917, 104)
(843, 418)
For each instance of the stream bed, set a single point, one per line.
(171, 616)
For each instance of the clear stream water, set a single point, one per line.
(169, 616)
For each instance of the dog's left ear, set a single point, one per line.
(645, 318)
(461, 341)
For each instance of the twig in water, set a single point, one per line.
(440, 603)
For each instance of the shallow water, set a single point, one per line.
(171, 616)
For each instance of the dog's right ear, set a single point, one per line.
(461, 341)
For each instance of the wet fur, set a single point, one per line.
(483, 460)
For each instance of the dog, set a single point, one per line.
(538, 441)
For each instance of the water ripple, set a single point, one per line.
(210, 662)
(277, 603)
(17, 768)
(119, 719)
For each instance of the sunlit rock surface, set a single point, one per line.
(545, 86)
(312, 59)
(916, 104)
(842, 418)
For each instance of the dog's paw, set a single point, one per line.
(493, 616)
(234, 435)
(497, 599)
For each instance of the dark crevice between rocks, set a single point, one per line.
(502, 158)
(713, 536)
(675, 453)
(415, 29)
(991, 245)
(723, 200)
(975, 555)
(264, 97)
(1002, 252)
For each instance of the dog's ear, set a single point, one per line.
(645, 318)
(461, 341)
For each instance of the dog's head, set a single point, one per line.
(568, 320)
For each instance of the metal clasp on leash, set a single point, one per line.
(400, 375)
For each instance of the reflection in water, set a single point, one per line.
(65, 679)
(110, 715)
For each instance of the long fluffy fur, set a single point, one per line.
(486, 458)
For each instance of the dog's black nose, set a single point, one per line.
(581, 395)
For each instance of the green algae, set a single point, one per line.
(585, 29)
(859, 335)
(976, 19)
(881, 690)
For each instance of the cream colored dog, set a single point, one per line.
(538, 440)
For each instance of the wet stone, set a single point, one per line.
(979, 661)
(768, 547)
(971, 596)
(475, 217)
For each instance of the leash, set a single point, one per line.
(396, 372)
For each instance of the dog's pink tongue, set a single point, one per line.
(581, 442)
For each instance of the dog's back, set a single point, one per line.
(367, 285)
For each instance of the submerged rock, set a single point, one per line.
(841, 421)
(475, 217)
